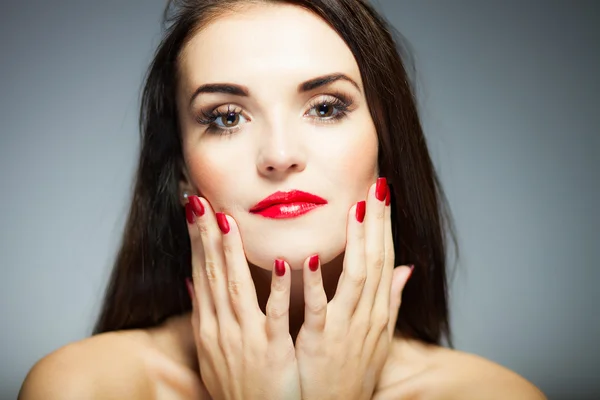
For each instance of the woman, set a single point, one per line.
(284, 170)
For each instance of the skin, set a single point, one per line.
(279, 145)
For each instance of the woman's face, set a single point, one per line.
(266, 121)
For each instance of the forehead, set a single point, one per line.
(274, 42)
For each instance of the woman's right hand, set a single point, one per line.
(242, 353)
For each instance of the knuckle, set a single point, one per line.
(315, 284)
(275, 312)
(280, 353)
(278, 286)
(230, 344)
(380, 321)
(390, 257)
(360, 234)
(288, 352)
(202, 229)
(360, 324)
(197, 274)
(390, 253)
(206, 336)
(377, 259)
(234, 287)
(228, 249)
(318, 307)
(211, 271)
(357, 278)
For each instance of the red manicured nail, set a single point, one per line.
(313, 262)
(279, 267)
(222, 221)
(189, 214)
(381, 189)
(412, 267)
(361, 207)
(190, 287)
(387, 196)
(197, 206)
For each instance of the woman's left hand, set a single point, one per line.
(342, 346)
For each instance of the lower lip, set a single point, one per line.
(290, 210)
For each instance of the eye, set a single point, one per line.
(329, 108)
(229, 120)
(325, 110)
(222, 121)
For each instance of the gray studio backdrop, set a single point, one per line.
(510, 98)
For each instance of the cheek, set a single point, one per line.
(213, 176)
(355, 159)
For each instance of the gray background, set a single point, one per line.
(510, 100)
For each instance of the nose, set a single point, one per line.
(280, 154)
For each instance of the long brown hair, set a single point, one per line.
(147, 282)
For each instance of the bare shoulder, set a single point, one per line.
(102, 366)
(420, 371)
(116, 365)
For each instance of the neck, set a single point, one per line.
(262, 281)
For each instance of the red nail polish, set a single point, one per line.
(190, 287)
(313, 262)
(412, 267)
(381, 189)
(222, 221)
(197, 206)
(361, 207)
(279, 267)
(189, 214)
(387, 196)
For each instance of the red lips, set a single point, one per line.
(287, 204)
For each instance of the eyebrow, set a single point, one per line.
(242, 91)
(323, 81)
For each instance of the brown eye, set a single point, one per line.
(324, 110)
(328, 109)
(230, 119)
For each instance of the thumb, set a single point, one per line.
(399, 278)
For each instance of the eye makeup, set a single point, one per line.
(322, 109)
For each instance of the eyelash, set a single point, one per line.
(209, 118)
(339, 101)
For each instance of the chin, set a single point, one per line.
(294, 249)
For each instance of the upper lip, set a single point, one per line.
(293, 196)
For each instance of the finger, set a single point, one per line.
(374, 245)
(380, 310)
(350, 285)
(205, 307)
(400, 277)
(315, 299)
(194, 315)
(214, 264)
(278, 305)
(240, 285)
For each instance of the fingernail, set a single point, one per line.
(381, 189)
(387, 196)
(360, 210)
(222, 221)
(412, 267)
(197, 206)
(189, 214)
(313, 262)
(279, 267)
(190, 287)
